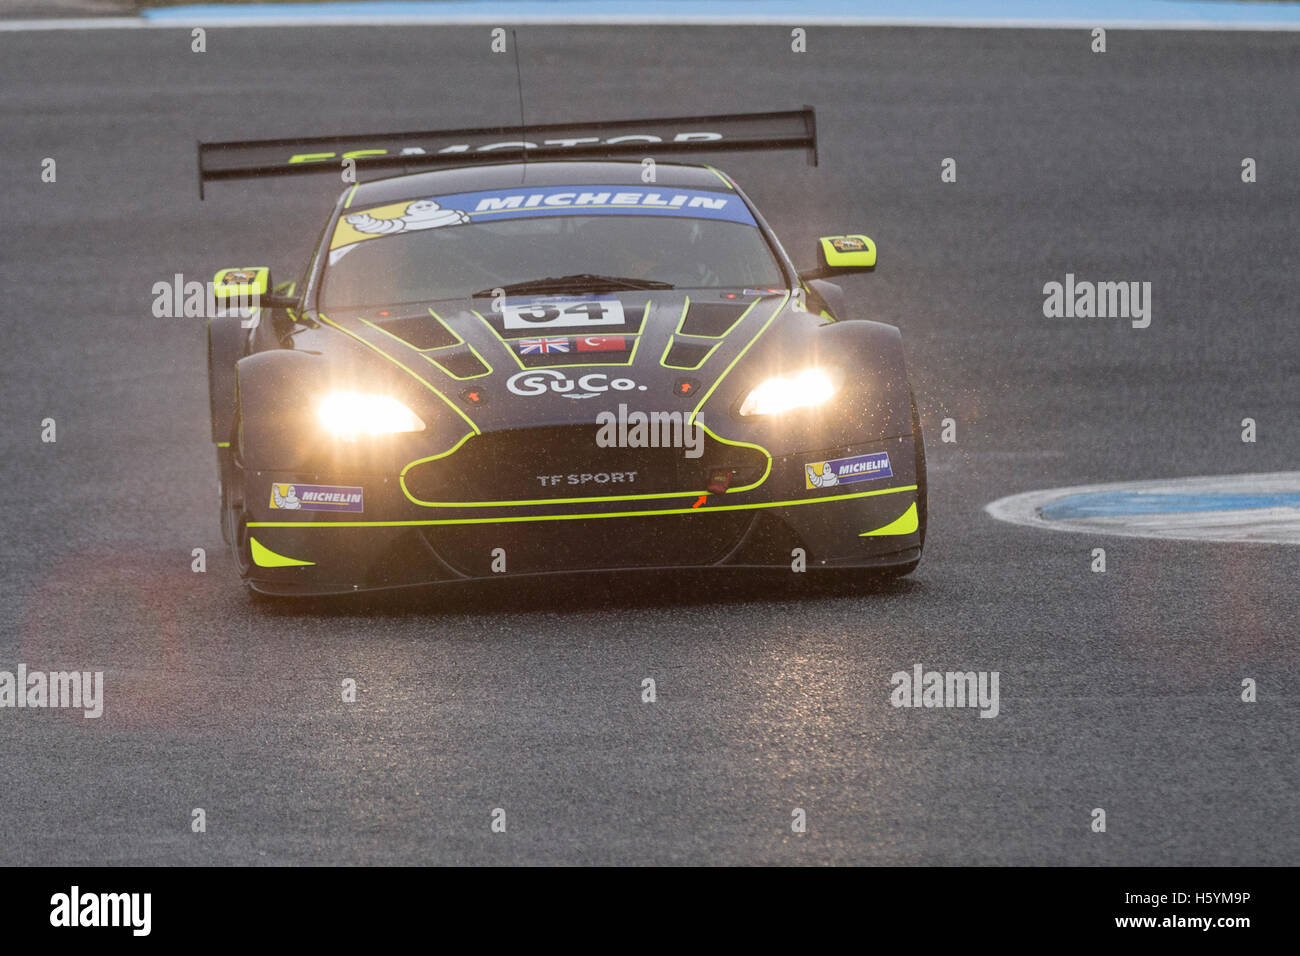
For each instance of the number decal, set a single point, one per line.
(593, 310)
(555, 312)
(539, 313)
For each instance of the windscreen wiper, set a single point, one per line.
(580, 282)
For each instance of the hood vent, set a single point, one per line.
(461, 363)
(712, 320)
(423, 332)
(688, 355)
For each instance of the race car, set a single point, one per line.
(554, 350)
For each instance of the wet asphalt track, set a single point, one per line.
(1117, 691)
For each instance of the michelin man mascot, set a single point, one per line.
(289, 501)
(825, 479)
(421, 214)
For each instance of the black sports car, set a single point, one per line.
(546, 364)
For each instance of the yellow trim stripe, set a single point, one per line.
(906, 523)
(780, 307)
(740, 444)
(324, 318)
(462, 378)
(591, 500)
(686, 305)
(725, 180)
(497, 335)
(264, 557)
(577, 517)
(663, 359)
(536, 502)
(716, 339)
(401, 478)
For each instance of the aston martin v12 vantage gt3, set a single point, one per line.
(529, 363)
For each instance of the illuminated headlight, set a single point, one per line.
(812, 386)
(348, 415)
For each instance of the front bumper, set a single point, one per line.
(395, 542)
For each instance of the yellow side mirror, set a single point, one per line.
(241, 282)
(847, 253)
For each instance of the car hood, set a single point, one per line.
(535, 361)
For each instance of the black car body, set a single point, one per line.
(428, 404)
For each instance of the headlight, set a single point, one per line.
(347, 415)
(812, 386)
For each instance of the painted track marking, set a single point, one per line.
(1238, 509)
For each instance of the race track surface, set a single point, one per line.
(1119, 691)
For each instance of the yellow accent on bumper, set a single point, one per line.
(264, 557)
(906, 523)
(431, 522)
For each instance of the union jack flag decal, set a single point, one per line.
(542, 346)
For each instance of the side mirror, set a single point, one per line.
(244, 286)
(244, 291)
(241, 283)
(839, 255)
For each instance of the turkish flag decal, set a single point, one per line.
(602, 343)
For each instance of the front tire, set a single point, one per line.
(922, 480)
(922, 490)
(227, 344)
(234, 515)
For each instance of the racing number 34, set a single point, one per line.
(554, 313)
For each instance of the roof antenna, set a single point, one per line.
(523, 126)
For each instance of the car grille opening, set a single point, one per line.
(538, 464)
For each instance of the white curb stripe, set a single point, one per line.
(1274, 525)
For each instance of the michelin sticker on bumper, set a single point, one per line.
(845, 471)
(291, 497)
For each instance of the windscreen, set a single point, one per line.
(454, 246)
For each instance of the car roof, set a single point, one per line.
(514, 175)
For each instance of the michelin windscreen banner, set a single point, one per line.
(458, 209)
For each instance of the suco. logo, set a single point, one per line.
(588, 386)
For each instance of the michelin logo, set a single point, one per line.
(845, 471)
(457, 209)
(589, 198)
(421, 214)
(288, 497)
(493, 205)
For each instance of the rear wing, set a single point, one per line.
(670, 136)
